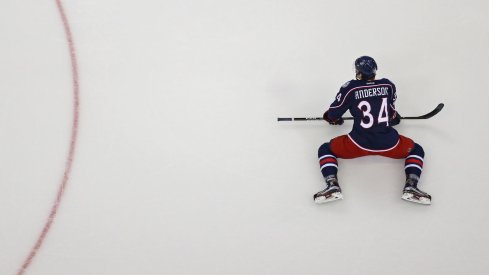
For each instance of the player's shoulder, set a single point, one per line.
(349, 85)
(384, 81)
(346, 84)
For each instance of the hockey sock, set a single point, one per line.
(414, 162)
(327, 161)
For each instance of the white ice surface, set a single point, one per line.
(181, 166)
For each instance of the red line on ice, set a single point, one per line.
(73, 140)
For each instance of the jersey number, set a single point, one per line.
(383, 115)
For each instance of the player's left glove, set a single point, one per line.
(395, 119)
(338, 121)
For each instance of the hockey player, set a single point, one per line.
(371, 103)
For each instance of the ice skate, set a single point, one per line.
(412, 193)
(331, 193)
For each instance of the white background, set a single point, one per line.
(181, 166)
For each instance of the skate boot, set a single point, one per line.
(412, 193)
(331, 193)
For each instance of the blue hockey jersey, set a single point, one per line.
(371, 103)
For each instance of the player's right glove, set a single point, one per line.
(395, 119)
(338, 121)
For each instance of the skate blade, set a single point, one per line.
(411, 198)
(333, 197)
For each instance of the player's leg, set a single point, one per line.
(413, 167)
(329, 168)
(328, 153)
(413, 155)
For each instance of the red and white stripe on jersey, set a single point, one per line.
(413, 161)
(341, 99)
(328, 160)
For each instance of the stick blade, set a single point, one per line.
(430, 114)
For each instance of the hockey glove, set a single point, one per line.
(395, 119)
(338, 121)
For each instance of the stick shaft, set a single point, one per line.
(425, 116)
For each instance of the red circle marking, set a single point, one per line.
(73, 140)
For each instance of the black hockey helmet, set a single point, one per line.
(366, 66)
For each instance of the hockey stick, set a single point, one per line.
(425, 116)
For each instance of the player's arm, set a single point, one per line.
(395, 119)
(339, 106)
(395, 116)
(332, 121)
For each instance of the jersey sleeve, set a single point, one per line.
(341, 103)
(393, 100)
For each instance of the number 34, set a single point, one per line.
(383, 115)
